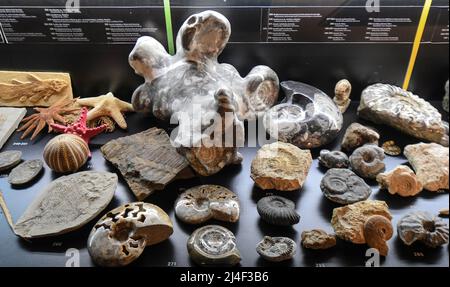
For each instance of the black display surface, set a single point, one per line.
(314, 209)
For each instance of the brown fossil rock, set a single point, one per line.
(281, 166)
(401, 180)
(318, 239)
(358, 135)
(430, 162)
(377, 231)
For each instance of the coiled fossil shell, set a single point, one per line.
(278, 210)
(276, 249)
(66, 153)
(424, 227)
(333, 159)
(401, 180)
(391, 148)
(367, 161)
(377, 230)
(213, 245)
(202, 203)
(344, 187)
(121, 235)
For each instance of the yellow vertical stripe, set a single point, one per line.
(417, 42)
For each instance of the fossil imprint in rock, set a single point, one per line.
(193, 89)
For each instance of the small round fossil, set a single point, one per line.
(377, 231)
(401, 180)
(25, 172)
(391, 148)
(367, 161)
(424, 227)
(201, 203)
(318, 239)
(333, 159)
(343, 186)
(213, 245)
(9, 159)
(278, 210)
(276, 249)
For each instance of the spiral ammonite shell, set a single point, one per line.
(66, 153)
(278, 210)
(377, 230)
(367, 161)
(213, 245)
(276, 249)
(401, 180)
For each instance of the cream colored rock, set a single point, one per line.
(281, 166)
(402, 181)
(430, 162)
(348, 221)
(342, 93)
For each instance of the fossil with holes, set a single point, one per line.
(368, 161)
(206, 98)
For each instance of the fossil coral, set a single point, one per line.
(277, 210)
(368, 161)
(276, 249)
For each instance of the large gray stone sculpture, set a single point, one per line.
(192, 88)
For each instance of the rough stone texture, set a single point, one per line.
(430, 162)
(333, 159)
(281, 166)
(358, 135)
(147, 161)
(318, 239)
(9, 159)
(348, 221)
(67, 204)
(342, 93)
(391, 148)
(25, 172)
(368, 161)
(9, 121)
(276, 249)
(445, 101)
(401, 180)
(122, 234)
(393, 106)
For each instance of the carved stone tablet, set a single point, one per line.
(25, 172)
(9, 121)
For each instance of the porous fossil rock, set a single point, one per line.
(342, 93)
(277, 210)
(391, 148)
(401, 180)
(9, 159)
(368, 161)
(358, 135)
(430, 162)
(393, 106)
(147, 160)
(25, 172)
(348, 221)
(318, 239)
(377, 231)
(276, 249)
(281, 166)
(333, 159)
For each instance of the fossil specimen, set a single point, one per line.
(66, 153)
(430, 162)
(401, 180)
(445, 100)
(47, 116)
(9, 159)
(147, 161)
(204, 96)
(444, 212)
(342, 93)
(9, 120)
(333, 159)
(307, 117)
(277, 210)
(424, 227)
(26, 89)
(343, 186)
(67, 204)
(318, 239)
(213, 245)
(104, 120)
(390, 148)
(122, 234)
(358, 135)
(348, 221)
(25, 172)
(367, 161)
(377, 231)
(107, 105)
(276, 249)
(281, 166)
(445, 139)
(393, 106)
(202, 203)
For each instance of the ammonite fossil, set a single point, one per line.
(424, 227)
(333, 159)
(401, 180)
(367, 161)
(25, 172)
(377, 231)
(342, 93)
(202, 203)
(9, 159)
(276, 249)
(393, 106)
(307, 117)
(66, 153)
(343, 186)
(213, 245)
(318, 239)
(391, 148)
(277, 210)
(357, 135)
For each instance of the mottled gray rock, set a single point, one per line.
(276, 249)
(9, 159)
(358, 135)
(368, 161)
(333, 159)
(343, 186)
(25, 172)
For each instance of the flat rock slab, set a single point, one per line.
(9, 159)
(25, 172)
(67, 204)
(147, 161)
(9, 121)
